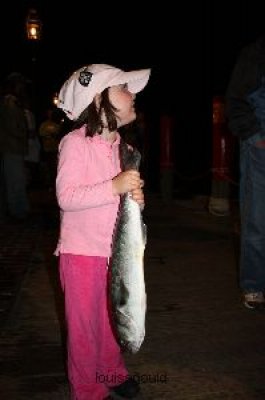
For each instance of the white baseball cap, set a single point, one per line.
(82, 86)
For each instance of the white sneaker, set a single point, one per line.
(254, 300)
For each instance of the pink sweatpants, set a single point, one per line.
(95, 362)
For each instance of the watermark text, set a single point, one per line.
(117, 379)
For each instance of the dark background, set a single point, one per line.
(191, 48)
(235, 24)
(127, 36)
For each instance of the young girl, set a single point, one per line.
(99, 99)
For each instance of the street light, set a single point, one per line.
(33, 32)
(33, 25)
(55, 99)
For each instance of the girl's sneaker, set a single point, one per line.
(128, 389)
(254, 300)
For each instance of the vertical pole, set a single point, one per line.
(219, 202)
(166, 158)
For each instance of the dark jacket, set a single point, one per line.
(13, 127)
(247, 78)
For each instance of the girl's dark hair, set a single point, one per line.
(92, 117)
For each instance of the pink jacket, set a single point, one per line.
(84, 193)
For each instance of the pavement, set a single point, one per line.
(200, 344)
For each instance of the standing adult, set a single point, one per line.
(14, 145)
(245, 109)
(49, 132)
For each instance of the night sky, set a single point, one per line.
(123, 35)
(235, 24)
(190, 48)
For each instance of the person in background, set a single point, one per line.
(14, 146)
(99, 99)
(32, 158)
(245, 110)
(49, 132)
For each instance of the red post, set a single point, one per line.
(222, 153)
(166, 147)
(222, 142)
(166, 157)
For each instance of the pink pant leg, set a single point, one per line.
(94, 357)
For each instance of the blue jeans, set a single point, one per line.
(252, 209)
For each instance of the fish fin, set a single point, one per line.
(129, 336)
(144, 227)
(124, 294)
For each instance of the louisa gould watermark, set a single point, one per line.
(140, 378)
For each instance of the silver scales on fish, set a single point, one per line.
(127, 284)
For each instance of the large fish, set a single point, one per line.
(127, 285)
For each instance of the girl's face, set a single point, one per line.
(123, 101)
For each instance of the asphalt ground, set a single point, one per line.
(201, 343)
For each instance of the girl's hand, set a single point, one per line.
(138, 196)
(127, 181)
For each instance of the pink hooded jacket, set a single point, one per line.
(89, 209)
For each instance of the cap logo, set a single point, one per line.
(85, 77)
